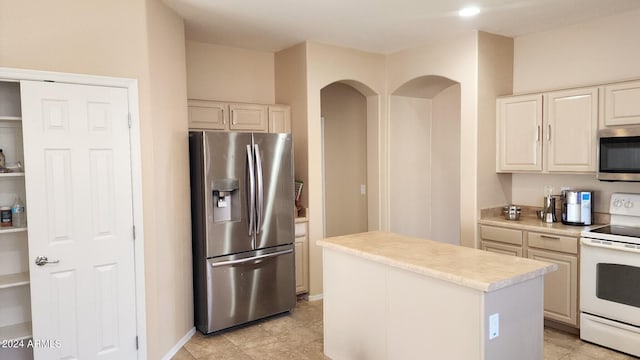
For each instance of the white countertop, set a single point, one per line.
(472, 268)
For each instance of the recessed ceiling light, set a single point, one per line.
(469, 11)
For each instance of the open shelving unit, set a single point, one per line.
(13, 280)
(14, 332)
(15, 297)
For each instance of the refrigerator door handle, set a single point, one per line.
(260, 187)
(251, 191)
(253, 258)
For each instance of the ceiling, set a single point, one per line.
(380, 26)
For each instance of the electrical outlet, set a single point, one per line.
(494, 326)
(363, 189)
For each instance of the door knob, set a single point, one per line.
(42, 260)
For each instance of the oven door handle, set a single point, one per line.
(615, 246)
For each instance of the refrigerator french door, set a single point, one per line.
(242, 227)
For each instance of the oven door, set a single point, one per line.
(609, 278)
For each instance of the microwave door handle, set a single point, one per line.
(251, 189)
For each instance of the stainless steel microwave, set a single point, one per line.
(619, 154)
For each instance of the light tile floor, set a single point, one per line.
(299, 336)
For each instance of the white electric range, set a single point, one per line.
(610, 278)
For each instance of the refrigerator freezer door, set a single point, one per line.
(248, 286)
(276, 195)
(225, 157)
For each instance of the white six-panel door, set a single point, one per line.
(79, 208)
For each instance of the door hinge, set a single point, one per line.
(137, 343)
(134, 232)
(129, 120)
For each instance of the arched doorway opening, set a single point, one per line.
(424, 159)
(348, 197)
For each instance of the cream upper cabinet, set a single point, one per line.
(210, 115)
(249, 117)
(519, 131)
(621, 104)
(571, 124)
(279, 119)
(223, 116)
(554, 132)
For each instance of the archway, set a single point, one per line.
(345, 153)
(424, 159)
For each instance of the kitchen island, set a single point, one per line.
(388, 296)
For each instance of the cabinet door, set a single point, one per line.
(279, 119)
(502, 235)
(249, 117)
(560, 287)
(208, 115)
(622, 104)
(571, 119)
(79, 196)
(501, 248)
(302, 258)
(519, 131)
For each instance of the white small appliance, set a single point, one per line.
(576, 207)
(609, 278)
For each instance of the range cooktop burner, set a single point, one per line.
(626, 231)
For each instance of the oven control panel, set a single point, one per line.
(625, 204)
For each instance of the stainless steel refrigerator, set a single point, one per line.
(242, 202)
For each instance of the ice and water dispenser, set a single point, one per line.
(226, 200)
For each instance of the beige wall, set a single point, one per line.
(424, 160)
(118, 38)
(455, 60)
(169, 285)
(410, 144)
(216, 72)
(344, 111)
(594, 52)
(445, 166)
(325, 65)
(291, 88)
(605, 50)
(495, 78)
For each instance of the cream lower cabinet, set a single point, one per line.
(551, 132)
(502, 241)
(561, 286)
(302, 257)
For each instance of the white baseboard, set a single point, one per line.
(174, 350)
(316, 297)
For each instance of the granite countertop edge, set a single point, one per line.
(484, 286)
